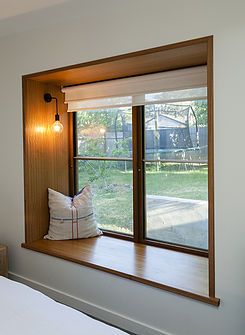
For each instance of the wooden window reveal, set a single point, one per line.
(49, 160)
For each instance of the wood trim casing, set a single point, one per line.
(168, 57)
(211, 236)
(135, 261)
(45, 166)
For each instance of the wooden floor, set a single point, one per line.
(165, 269)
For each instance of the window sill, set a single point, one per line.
(169, 270)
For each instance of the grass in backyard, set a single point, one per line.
(113, 192)
(189, 184)
(114, 210)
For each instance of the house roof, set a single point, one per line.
(164, 121)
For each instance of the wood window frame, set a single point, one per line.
(41, 158)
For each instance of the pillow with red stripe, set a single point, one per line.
(71, 218)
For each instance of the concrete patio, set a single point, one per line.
(176, 220)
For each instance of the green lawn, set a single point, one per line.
(190, 184)
(113, 191)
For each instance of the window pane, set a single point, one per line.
(112, 186)
(176, 203)
(105, 133)
(176, 131)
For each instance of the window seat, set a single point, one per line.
(169, 270)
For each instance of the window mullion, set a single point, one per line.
(73, 163)
(138, 173)
(72, 153)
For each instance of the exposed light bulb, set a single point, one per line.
(57, 127)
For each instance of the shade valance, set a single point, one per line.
(170, 86)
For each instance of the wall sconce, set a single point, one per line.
(57, 126)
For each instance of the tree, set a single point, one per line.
(201, 109)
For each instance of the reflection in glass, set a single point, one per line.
(112, 187)
(105, 133)
(176, 203)
(176, 131)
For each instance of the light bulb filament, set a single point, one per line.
(57, 127)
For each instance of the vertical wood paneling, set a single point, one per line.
(46, 155)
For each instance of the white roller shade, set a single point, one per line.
(170, 86)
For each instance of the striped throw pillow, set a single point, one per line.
(71, 218)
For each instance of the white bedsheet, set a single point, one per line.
(24, 311)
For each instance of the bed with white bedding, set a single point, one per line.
(24, 311)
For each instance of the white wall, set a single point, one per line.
(94, 29)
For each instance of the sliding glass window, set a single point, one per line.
(104, 161)
(145, 155)
(176, 173)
